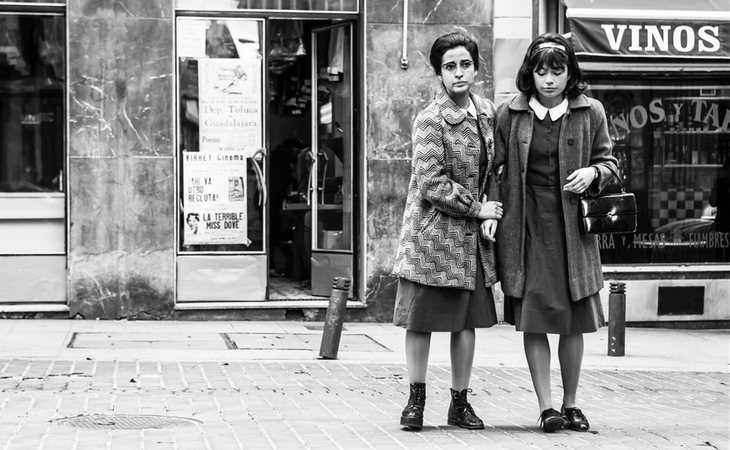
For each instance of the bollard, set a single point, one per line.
(334, 319)
(617, 319)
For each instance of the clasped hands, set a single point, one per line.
(490, 213)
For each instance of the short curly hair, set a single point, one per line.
(553, 57)
(449, 41)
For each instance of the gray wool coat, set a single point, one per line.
(439, 240)
(584, 141)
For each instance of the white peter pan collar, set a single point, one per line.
(471, 109)
(555, 112)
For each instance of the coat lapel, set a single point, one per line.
(449, 110)
(524, 125)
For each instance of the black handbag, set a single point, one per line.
(609, 213)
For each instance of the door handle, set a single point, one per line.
(323, 181)
(259, 175)
(310, 181)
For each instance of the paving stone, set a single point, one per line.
(348, 404)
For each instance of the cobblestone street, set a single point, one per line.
(344, 403)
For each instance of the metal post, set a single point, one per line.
(617, 319)
(334, 319)
(404, 49)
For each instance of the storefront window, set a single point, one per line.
(672, 140)
(220, 132)
(31, 103)
(276, 5)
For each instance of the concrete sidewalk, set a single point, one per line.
(499, 346)
(261, 385)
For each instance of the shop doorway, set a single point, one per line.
(265, 148)
(310, 134)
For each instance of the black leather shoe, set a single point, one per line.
(461, 413)
(551, 420)
(412, 415)
(575, 419)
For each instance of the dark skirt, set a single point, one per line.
(546, 305)
(419, 307)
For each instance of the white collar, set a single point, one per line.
(471, 109)
(555, 112)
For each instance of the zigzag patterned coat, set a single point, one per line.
(440, 238)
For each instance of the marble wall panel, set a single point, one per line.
(380, 295)
(120, 8)
(395, 96)
(121, 205)
(387, 185)
(121, 243)
(136, 285)
(120, 87)
(465, 12)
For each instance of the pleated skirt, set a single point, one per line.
(546, 306)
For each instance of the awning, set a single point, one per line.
(680, 30)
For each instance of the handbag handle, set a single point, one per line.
(620, 183)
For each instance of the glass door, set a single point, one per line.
(331, 181)
(222, 190)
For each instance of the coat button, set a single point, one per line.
(573, 200)
(570, 142)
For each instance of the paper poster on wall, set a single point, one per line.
(230, 105)
(214, 198)
(191, 38)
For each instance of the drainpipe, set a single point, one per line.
(404, 50)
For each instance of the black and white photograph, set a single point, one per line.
(364, 224)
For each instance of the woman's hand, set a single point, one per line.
(490, 210)
(488, 228)
(579, 180)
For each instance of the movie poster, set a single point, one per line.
(214, 198)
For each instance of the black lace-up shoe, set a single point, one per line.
(461, 413)
(551, 420)
(412, 415)
(575, 419)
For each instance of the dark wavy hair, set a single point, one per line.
(550, 57)
(449, 41)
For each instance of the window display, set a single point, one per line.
(32, 70)
(672, 140)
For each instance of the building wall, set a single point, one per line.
(121, 160)
(513, 32)
(393, 98)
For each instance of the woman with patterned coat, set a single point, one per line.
(445, 259)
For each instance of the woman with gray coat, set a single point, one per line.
(444, 266)
(552, 145)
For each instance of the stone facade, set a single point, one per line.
(121, 160)
(121, 248)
